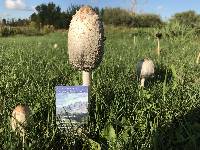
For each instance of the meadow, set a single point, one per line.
(163, 115)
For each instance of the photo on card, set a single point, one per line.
(71, 105)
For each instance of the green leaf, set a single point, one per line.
(173, 71)
(109, 133)
(124, 135)
(92, 145)
(174, 74)
(1, 130)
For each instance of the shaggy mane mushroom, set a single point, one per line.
(145, 69)
(86, 42)
(19, 119)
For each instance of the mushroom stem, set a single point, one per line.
(158, 49)
(198, 57)
(142, 82)
(86, 76)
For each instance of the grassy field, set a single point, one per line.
(163, 115)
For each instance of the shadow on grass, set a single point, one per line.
(183, 133)
(162, 74)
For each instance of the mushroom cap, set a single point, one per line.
(159, 35)
(85, 39)
(19, 118)
(55, 45)
(145, 68)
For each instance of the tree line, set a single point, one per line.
(51, 14)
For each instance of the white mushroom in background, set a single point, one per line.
(86, 42)
(19, 119)
(55, 45)
(145, 69)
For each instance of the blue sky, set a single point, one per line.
(165, 8)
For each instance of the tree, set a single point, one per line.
(4, 21)
(188, 18)
(34, 17)
(50, 14)
(70, 12)
(147, 20)
(47, 15)
(116, 16)
(16, 22)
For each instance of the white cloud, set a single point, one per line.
(17, 5)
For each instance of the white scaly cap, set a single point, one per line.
(85, 39)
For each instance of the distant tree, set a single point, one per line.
(188, 18)
(50, 14)
(17, 22)
(96, 9)
(4, 21)
(33, 25)
(147, 20)
(116, 16)
(122, 17)
(34, 18)
(70, 12)
(47, 15)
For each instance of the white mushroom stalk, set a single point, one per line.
(86, 42)
(145, 69)
(198, 57)
(158, 36)
(86, 78)
(158, 48)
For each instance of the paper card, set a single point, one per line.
(71, 105)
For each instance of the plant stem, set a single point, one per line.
(134, 40)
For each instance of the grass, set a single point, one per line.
(163, 115)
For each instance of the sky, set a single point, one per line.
(164, 8)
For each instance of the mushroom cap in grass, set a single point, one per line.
(145, 68)
(19, 119)
(159, 35)
(85, 39)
